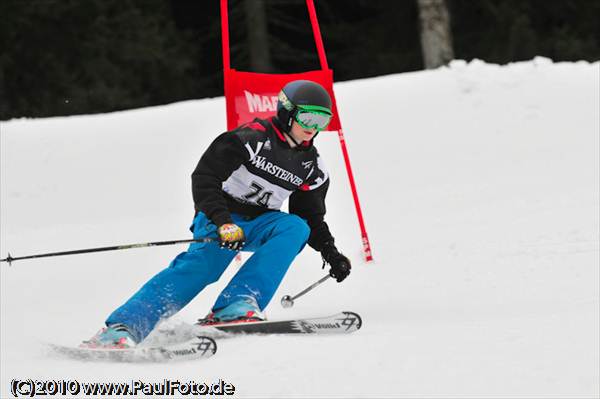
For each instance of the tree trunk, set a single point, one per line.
(258, 36)
(436, 37)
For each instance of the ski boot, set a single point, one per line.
(245, 310)
(115, 336)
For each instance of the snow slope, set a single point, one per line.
(480, 188)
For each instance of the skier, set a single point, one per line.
(238, 187)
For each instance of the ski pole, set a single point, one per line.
(288, 301)
(10, 259)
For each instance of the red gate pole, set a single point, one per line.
(225, 34)
(226, 60)
(317, 34)
(323, 60)
(226, 70)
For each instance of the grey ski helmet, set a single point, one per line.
(296, 94)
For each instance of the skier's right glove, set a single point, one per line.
(340, 265)
(231, 236)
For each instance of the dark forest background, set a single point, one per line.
(65, 57)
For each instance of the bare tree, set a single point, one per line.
(436, 37)
(258, 36)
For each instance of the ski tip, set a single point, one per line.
(207, 344)
(200, 346)
(352, 320)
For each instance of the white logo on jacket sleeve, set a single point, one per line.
(321, 177)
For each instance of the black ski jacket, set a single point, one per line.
(252, 170)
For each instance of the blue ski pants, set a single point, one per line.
(274, 237)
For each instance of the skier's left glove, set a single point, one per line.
(340, 265)
(231, 236)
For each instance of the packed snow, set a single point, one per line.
(479, 185)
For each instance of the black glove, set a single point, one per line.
(231, 236)
(340, 265)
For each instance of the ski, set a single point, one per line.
(341, 323)
(197, 341)
(194, 348)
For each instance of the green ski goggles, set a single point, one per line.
(313, 117)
